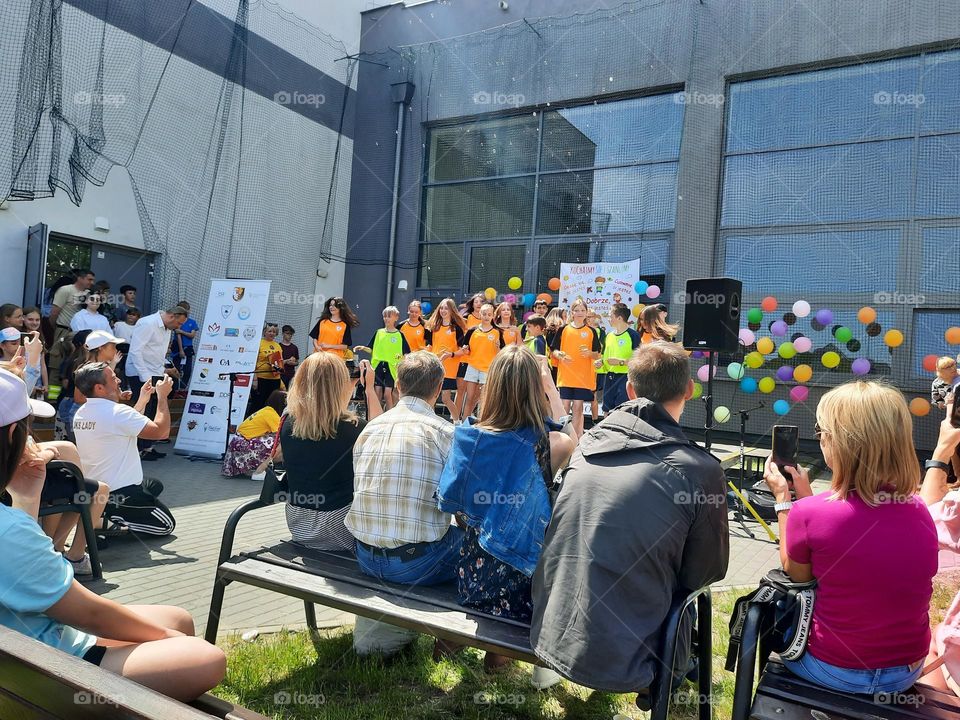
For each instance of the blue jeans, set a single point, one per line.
(437, 565)
(614, 391)
(864, 682)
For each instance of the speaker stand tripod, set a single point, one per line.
(741, 501)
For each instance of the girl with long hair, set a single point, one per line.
(506, 320)
(446, 329)
(575, 348)
(332, 332)
(652, 324)
(32, 323)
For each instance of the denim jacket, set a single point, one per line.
(493, 478)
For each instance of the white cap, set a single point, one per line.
(99, 338)
(9, 334)
(14, 403)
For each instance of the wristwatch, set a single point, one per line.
(781, 506)
(936, 465)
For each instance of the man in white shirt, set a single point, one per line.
(148, 352)
(107, 431)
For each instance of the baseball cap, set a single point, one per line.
(14, 403)
(9, 334)
(99, 338)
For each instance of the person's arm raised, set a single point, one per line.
(374, 408)
(159, 427)
(934, 485)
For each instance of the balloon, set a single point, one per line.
(753, 360)
(426, 307)
(778, 328)
(697, 354)
(747, 337)
(787, 350)
(490, 293)
(789, 318)
(799, 393)
(930, 363)
(919, 406)
(853, 346)
(830, 359)
(784, 373)
(873, 329)
(748, 385)
(637, 309)
(802, 373)
(843, 334)
(801, 308)
(766, 384)
(514, 283)
(768, 304)
(765, 346)
(781, 407)
(554, 284)
(755, 315)
(952, 336)
(735, 371)
(697, 390)
(866, 315)
(529, 299)
(641, 287)
(527, 315)
(546, 297)
(860, 366)
(703, 372)
(802, 344)
(510, 298)
(721, 414)
(653, 291)
(824, 316)
(893, 338)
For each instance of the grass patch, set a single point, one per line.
(291, 676)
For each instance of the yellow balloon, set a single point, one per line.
(697, 390)
(802, 373)
(637, 309)
(753, 360)
(829, 360)
(765, 346)
(893, 338)
(490, 293)
(766, 385)
(514, 283)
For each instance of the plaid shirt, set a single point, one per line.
(397, 461)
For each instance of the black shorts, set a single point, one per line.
(462, 370)
(59, 486)
(382, 377)
(95, 654)
(574, 393)
(449, 384)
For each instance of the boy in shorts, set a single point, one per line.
(387, 348)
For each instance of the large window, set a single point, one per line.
(840, 187)
(518, 195)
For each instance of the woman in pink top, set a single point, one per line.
(869, 541)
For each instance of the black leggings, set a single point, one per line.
(259, 397)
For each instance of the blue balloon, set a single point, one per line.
(781, 407)
(748, 385)
(529, 299)
(641, 286)
(426, 307)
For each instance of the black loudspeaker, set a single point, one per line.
(712, 314)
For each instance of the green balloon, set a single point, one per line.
(755, 315)
(843, 334)
(787, 350)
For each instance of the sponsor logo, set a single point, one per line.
(204, 359)
(213, 329)
(196, 408)
(203, 373)
(225, 311)
(224, 362)
(232, 332)
(224, 395)
(249, 332)
(215, 409)
(242, 381)
(207, 427)
(241, 349)
(203, 393)
(238, 293)
(221, 293)
(207, 346)
(243, 313)
(191, 425)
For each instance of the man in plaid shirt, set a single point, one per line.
(401, 534)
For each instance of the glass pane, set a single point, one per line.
(843, 183)
(613, 133)
(550, 257)
(504, 146)
(928, 338)
(491, 266)
(441, 266)
(63, 256)
(839, 104)
(654, 254)
(938, 176)
(941, 250)
(844, 261)
(484, 209)
(940, 109)
(629, 199)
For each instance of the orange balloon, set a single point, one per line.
(930, 363)
(554, 284)
(546, 297)
(952, 335)
(768, 304)
(919, 406)
(867, 315)
(893, 338)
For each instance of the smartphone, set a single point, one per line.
(156, 379)
(955, 416)
(786, 439)
(24, 337)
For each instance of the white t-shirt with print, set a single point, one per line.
(106, 434)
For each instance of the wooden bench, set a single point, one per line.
(40, 682)
(334, 580)
(781, 695)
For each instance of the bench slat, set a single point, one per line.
(409, 612)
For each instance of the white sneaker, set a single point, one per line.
(543, 678)
(82, 566)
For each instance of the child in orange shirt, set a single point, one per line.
(575, 348)
(480, 344)
(445, 332)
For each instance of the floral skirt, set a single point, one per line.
(489, 585)
(244, 456)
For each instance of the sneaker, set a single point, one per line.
(543, 678)
(81, 566)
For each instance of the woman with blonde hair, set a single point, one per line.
(445, 331)
(317, 435)
(869, 542)
(652, 324)
(505, 318)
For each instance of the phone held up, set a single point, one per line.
(955, 415)
(786, 439)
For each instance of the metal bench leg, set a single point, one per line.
(311, 614)
(746, 662)
(91, 537)
(705, 653)
(216, 607)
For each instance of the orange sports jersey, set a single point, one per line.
(449, 338)
(416, 335)
(510, 336)
(333, 333)
(579, 372)
(472, 321)
(483, 346)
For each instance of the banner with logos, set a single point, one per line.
(600, 284)
(228, 342)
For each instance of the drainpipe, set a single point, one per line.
(401, 93)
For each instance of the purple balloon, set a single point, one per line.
(779, 328)
(860, 366)
(785, 372)
(824, 316)
(697, 354)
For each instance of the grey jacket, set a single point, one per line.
(641, 514)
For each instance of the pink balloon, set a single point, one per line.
(747, 337)
(653, 291)
(703, 372)
(510, 298)
(799, 393)
(527, 315)
(802, 344)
